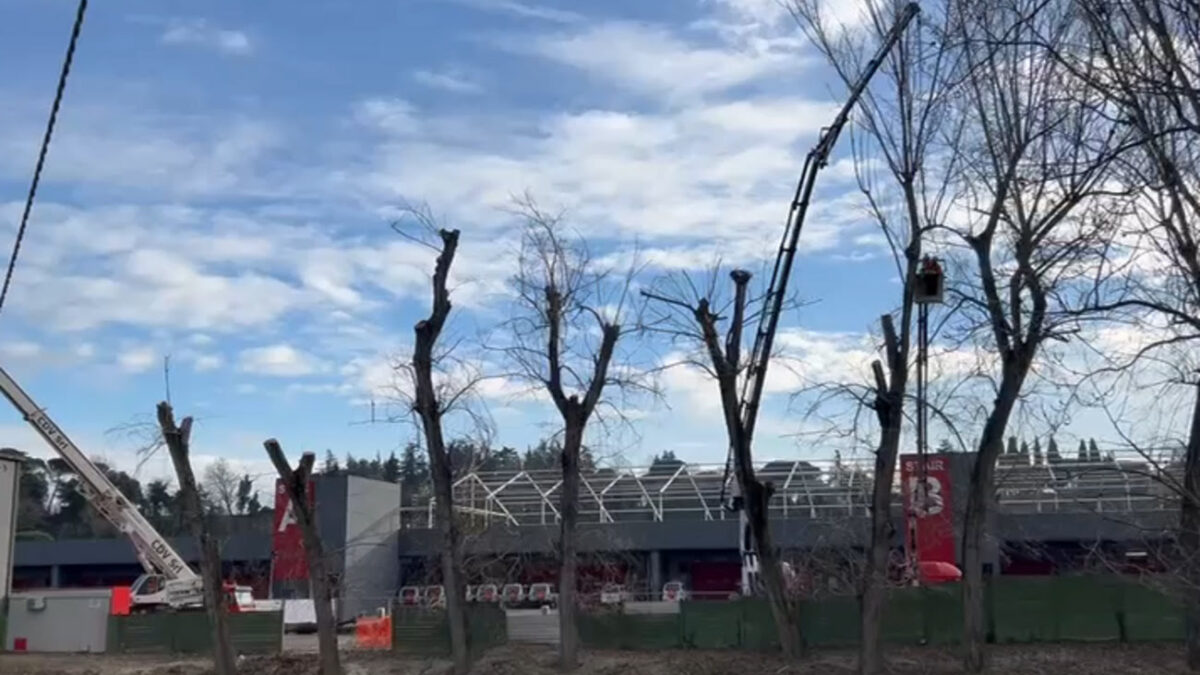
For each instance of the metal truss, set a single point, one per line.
(812, 489)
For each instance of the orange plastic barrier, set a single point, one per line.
(122, 601)
(372, 632)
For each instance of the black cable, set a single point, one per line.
(41, 162)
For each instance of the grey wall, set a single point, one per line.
(647, 536)
(331, 517)
(793, 533)
(72, 621)
(10, 472)
(371, 559)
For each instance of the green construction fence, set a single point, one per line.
(190, 633)
(426, 632)
(1020, 610)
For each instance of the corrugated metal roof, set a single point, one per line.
(236, 547)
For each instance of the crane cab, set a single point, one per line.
(153, 592)
(148, 592)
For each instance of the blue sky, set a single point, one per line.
(223, 175)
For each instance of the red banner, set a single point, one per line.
(287, 541)
(929, 535)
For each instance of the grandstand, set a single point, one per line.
(811, 489)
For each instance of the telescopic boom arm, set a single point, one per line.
(768, 322)
(155, 554)
(817, 158)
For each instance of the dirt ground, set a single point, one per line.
(537, 660)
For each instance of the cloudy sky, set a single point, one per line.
(224, 174)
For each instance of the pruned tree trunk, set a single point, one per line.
(178, 442)
(429, 409)
(1189, 536)
(979, 499)
(756, 497)
(299, 488)
(875, 576)
(889, 410)
(568, 547)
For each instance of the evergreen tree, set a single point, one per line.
(1012, 446)
(542, 457)
(1083, 452)
(33, 497)
(244, 488)
(465, 456)
(505, 459)
(414, 481)
(945, 447)
(1037, 452)
(330, 467)
(665, 464)
(1052, 455)
(1024, 455)
(1094, 451)
(546, 455)
(391, 469)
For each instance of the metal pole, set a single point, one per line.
(917, 500)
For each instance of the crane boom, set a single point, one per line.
(816, 160)
(155, 554)
(768, 322)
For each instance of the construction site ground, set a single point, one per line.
(538, 660)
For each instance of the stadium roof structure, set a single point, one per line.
(814, 489)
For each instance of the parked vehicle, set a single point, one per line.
(513, 595)
(434, 596)
(410, 596)
(673, 591)
(487, 593)
(613, 594)
(542, 594)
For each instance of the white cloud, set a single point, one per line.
(710, 175)
(201, 33)
(138, 359)
(447, 80)
(279, 360)
(21, 349)
(138, 149)
(654, 61)
(523, 10)
(205, 362)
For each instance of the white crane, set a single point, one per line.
(168, 580)
(768, 322)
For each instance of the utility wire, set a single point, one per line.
(37, 171)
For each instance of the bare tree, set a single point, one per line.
(1036, 153)
(430, 405)
(299, 490)
(563, 338)
(906, 122)
(692, 312)
(1151, 76)
(178, 442)
(221, 484)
